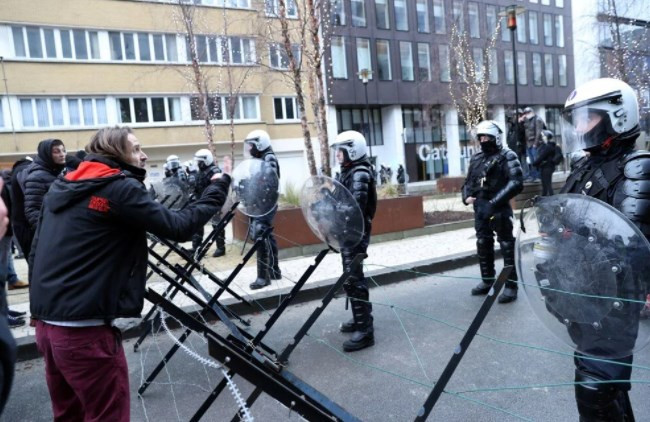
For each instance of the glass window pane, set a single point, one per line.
(561, 70)
(443, 56)
(158, 47)
(508, 62)
(57, 112)
(73, 112)
(158, 109)
(94, 44)
(124, 106)
(143, 45)
(100, 105)
(50, 49)
(458, 16)
(339, 12)
(140, 109)
(80, 47)
(19, 41)
(235, 48)
(548, 30)
(424, 62)
(537, 69)
(548, 69)
(201, 48)
(559, 3)
(34, 42)
(174, 105)
(505, 32)
(363, 55)
(288, 106)
(339, 62)
(477, 58)
(474, 24)
(381, 13)
(232, 105)
(42, 113)
(521, 28)
(422, 9)
(521, 68)
(172, 51)
(27, 113)
(129, 46)
(116, 45)
(439, 17)
(212, 50)
(494, 67)
(358, 8)
(559, 30)
(401, 15)
(277, 106)
(87, 105)
(66, 43)
(491, 20)
(406, 60)
(532, 27)
(383, 60)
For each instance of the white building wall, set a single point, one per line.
(453, 140)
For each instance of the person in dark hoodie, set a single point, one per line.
(357, 175)
(19, 223)
(89, 262)
(545, 161)
(46, 167)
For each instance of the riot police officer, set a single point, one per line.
(494, 177)
(601, 118)
(206, 169)
(357, 175)
(258, 145)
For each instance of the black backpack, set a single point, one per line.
(558, 157)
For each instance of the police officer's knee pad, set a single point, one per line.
(598, 401)
(485, 244)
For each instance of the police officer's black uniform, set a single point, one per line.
(494, 177)
(202, 180)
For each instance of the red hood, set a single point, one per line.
(91, 170)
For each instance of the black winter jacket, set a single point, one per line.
(545, 156)
(19, 222)
(89, 256)
(495, 176)
(358, 178)
(41, 174)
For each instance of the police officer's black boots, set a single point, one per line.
(510, 291)
(263, 278)
(221, 245)
(363, 335)
(485, 250)
(276, 274)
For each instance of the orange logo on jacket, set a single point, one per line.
(99, 204)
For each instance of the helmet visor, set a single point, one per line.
(338, 155)
(584, 128)
(250, 149)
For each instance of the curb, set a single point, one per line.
(27, 350)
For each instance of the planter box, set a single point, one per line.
(291, 229)
(449, 184)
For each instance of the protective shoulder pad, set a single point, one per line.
(509, 154)
(637, 166)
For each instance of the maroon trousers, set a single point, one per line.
(86, 372)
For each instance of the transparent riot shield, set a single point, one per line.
(584, 268)
(255, 185)
(332, 212)
(171, 192)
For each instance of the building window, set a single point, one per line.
(424, 149)
(381, 13)
(477, 57)
(561, 70)
(443, 57)
(548, 30)
(508, 61)
(244, 108)
(521, 68)
(148, 109)
(273, 8)
(123, 47)
(439, 17)
(533, 27)
(494, 67)
(559, 3)
(40, 43)
(553, 123)
(278, 57)
(474, 23)
(339, 62)
(521, 30)
(383, 60)
(537, 69)
(285, 108)
(422, 10)
(458, 16)
(548, 69)
(491, 20)
(424, 62)
(401, 15)
(358, 12)
(338, 12)
(62, 112)
(559, 30)
(363, 55)
(546, 2)
(357, 119)
(235, 4)
(505, 32)
(406, 60)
